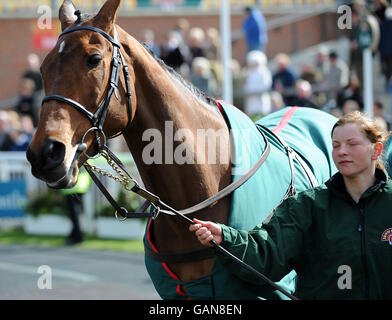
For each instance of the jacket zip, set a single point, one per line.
(361, 229)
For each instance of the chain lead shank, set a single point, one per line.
(123, 178)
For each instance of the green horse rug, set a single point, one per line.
(305, 130)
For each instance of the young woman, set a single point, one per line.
(337, 237)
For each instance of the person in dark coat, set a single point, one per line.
(174, 52)
(283, 80)
(352, 91)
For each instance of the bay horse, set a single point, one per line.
(83, 90)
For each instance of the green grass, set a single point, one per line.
(90, 242)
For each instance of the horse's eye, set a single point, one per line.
(93, 60)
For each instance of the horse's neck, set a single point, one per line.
(165, 104)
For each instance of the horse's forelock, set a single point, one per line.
(82, 17)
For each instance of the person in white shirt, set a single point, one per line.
(258, 82)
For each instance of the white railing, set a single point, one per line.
(14, 166)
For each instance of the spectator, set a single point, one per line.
(174, 53)
(14, 119)
(255, 30)
(355, 51)
(310, 74)
(26, 125)
(303, 95)
(212, 45)
(337, 112)
(196, 40)
(20, 138)
(350, 106)
(379, 9)
(359, 6)
(202, 77)
(148, 38)
(283, 80)
(33, 73)
(350, 92)
(26, 100)
(5, 128)
(182, 27)
(257, 84)
(74, 197)
(322, 63)
(379, 116)
(337, 77)
(321, 68)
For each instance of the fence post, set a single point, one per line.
(225, 30)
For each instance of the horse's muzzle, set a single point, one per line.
(47, 164)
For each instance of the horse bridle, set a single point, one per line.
(97, 120)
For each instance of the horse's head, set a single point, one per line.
(79, 80)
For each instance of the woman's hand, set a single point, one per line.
(206, 231)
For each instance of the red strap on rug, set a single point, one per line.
(165, 266)
(285, 119)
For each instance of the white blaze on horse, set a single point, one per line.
(89, 99)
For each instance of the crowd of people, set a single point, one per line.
(328, 82)
(17, 123)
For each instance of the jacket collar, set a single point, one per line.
(336, 183)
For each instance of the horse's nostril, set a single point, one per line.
(52, 154)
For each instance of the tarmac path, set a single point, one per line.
(69, 273)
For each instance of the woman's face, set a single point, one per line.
(352, 152)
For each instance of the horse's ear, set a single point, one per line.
(67, 14)
(106, 17)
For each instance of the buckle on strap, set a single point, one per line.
(155, 212)
(124, 215)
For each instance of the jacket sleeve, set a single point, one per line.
(274, 248)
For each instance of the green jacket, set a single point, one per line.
(333, 243)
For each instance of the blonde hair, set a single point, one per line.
(197, 34)
(373, 132)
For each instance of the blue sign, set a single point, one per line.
(12, 198)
